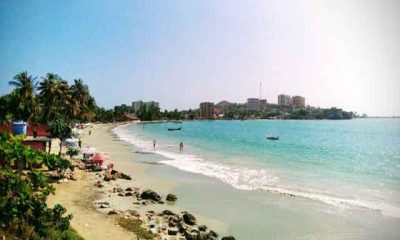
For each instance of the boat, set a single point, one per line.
(174, 129)
(272, 138)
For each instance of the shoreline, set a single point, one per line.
(82, 198)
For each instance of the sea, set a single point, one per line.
(322, 179)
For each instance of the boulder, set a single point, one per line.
(171, 197)
(124, 176)
(202, 236)
(150, 195)
(172, 231)
(119, 189)
(128, 189)
(202, 228)
(128, 194)
(212, 234)
(189, 219)
(108, 177)
(228, 238)
(112, 212)
(167, 212)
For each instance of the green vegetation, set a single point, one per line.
(23, 209)
(135, 226)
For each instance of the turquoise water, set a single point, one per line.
(352, 164)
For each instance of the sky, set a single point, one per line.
(342, 53)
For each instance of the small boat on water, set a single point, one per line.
(272, 138)
(174, 129)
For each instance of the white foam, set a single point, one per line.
(245, 178)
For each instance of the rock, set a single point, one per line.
(190, 235)
(104, 206)
(202, 228)
(121, 195)
(128, 194)
(150, 195)
(202, 236)
(167, 212)
(99, 184)
(119, 189)
(171, 197)
(112, 212)
(228, 238)
(113, 172)
(133, 213)
(189, 219)
(128, 189)
(108, 177)
(124, 176)
(212, 234)
(173, 231)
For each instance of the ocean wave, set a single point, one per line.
(245, 178)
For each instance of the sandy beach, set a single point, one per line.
(81, 197)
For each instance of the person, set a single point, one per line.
(80, 143)
(90, 132)
(154, 144)
(181, 146)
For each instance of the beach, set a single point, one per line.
(80, 196)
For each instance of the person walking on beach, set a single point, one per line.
(154, 144)
(181, 147)
(80, 143)
(90, 132)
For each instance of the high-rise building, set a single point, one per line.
(137, 104)
(299, 102)
(284, 100)
(207, 110)
(253, 104)
(263, 104)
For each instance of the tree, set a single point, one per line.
(22, 98)
(61, 130)
(54, 97)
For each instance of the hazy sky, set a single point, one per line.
(342, 53)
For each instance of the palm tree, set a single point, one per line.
(54, 96)
(82, 105)
(23, 95)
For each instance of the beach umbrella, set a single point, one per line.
(98, 158)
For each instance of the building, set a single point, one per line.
(284, 100)
(253, 104)
(137, 104)
(223, 106)
(207, 110)
(298, 102)
(263, 104)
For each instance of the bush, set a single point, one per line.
(23, 209)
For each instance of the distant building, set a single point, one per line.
(284, 100)
(253, 104)
(137, 104)
(223, 106)
(207, 110)
(263, 104)
(298, 102)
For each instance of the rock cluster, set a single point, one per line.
(114, 175)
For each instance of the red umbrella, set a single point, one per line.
(99, 158)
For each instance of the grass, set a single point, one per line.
(135, 226)
(72, 234)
